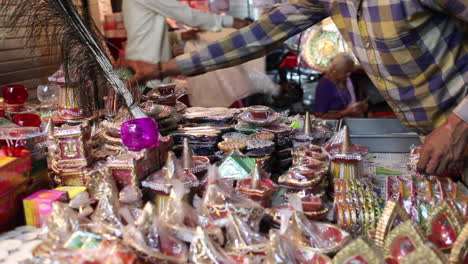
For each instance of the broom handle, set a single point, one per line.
(101, 58)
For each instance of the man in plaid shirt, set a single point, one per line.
(414, 51)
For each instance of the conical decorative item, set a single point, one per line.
(392, 216)
(50, 129)
(307, 125)
(170, 165)
(346, 157)
(187, 156)
(255, 177)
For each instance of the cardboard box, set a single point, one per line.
(39, 204)
(72, 190)
(14, 171)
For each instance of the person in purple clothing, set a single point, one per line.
(335, 96)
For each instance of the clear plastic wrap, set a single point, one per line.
(219, 198)
(242, 239)
(182, 219)
(152, 240)
(203, 250)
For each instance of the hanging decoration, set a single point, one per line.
(321, 43)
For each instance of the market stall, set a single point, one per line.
(149, 180)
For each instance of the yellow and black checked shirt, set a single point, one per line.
(414, 51)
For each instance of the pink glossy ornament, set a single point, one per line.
(141, 133)
(27, 120)
(15, 94)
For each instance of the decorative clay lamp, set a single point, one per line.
(257, 188)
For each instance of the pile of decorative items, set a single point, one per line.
(224, 186)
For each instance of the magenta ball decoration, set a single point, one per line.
(141, 133)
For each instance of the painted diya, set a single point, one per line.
(259, 187)
(220, 198)
(301, 177)
(259, 116)
(318, 237)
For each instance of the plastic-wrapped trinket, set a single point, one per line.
(151, 238)
(301, 177)
(219, 198)
(346, 157)
(242, 239)
(182, 219)
(236, 166)
(161, 182)
(259, 187)
(205, 251)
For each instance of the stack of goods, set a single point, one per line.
(203, 128)
(162, 104)
(307, 178)
(357, 206)
(269, 135)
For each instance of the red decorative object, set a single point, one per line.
(402, 247)
(27, 120)
(444, 234)
(15, 94)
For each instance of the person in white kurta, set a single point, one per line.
(147, 30)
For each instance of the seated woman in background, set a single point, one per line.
(335, 96)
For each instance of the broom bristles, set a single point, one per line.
(79, 46)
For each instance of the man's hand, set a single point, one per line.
(144, 71)
(444, 148)
(240, 23)
(190, 34)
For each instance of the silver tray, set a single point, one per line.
(381, 135)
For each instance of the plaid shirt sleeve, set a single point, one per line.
(457, 8)
(253, 41)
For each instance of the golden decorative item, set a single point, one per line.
(403, 241)
(459, 253)
(359, 251)
(392, 216)
(444, 224)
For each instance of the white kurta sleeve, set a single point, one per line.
(183, 13)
